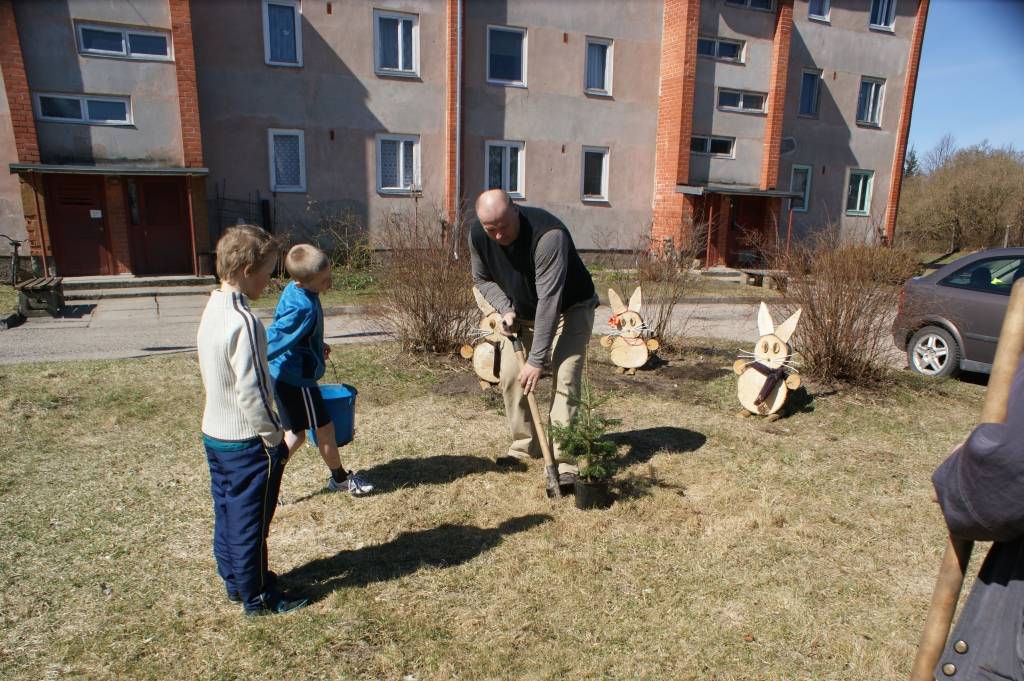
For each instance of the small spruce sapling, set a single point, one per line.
(584, 440)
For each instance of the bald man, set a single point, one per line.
(526, 266)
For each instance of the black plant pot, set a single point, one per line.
(593, 495)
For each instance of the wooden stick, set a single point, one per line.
(550, 467)
(958, 551)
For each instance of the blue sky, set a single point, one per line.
(971, 82)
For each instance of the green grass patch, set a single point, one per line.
(349, 287)
(8, 300)
(738, 549)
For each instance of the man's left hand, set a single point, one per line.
(528, 377)
(327, 351)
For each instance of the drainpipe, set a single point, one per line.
(458, 133)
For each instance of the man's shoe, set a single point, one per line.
(280, 606)
(354, 484)
(234, 597)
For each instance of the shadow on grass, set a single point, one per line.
(432, 470)
(646, 442)
(443, 546)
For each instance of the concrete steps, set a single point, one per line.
(129, 286)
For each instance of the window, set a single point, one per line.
(714, 146)
(858, 196)
(869, 103)
(718, 48)
(506, 55)
(818, 9)
(282, 32)
(735, 100)
(595, 174)
(397, 43)
(287, 160)
(883, 14)
(800, 181)
(113, 41)
(398, 164)
(599, 66)
(766, 5)
(505, 164)
(994, 275)
(88, 109)
(810, 87)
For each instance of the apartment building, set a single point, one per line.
(738, 120)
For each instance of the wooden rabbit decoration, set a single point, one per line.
(486, 354)
(764, 378)
(629, 349)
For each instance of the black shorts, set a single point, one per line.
(300, 408)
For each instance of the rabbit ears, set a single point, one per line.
(482, 303)
(784, 331)
(635, 302)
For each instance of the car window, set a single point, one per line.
(995, 275)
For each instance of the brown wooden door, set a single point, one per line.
(158, 220)
(750, 217)
(77, 216)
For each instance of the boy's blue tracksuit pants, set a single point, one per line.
(245, 481)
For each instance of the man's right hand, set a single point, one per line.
(508, 323)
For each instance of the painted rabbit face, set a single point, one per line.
(626, 318)
(490, 328)
(772, 349)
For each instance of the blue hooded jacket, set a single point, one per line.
(295, 341)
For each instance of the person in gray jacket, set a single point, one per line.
(526, 266)
(980, 488)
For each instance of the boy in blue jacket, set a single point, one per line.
(296, 352)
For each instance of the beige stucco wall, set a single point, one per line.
(12, 220)
(336, 89)
(52, 62)
(845, 50)
(556, 119)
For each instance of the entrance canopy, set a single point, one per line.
(103, 170)
(735, 190)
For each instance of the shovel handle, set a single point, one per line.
(550, 467)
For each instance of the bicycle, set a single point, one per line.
(15, 245)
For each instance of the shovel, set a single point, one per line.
(550, 467)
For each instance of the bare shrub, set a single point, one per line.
(426, 295)
(849, 293)
(664, 272)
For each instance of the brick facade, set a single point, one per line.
(909, 88)
(452, 112)
(673, 211)
(777, 94)
(16, 83)
(188, 94)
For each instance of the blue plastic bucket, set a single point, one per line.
(340, 400)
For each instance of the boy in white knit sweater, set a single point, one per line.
(241, 430)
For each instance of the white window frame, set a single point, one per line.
(746, 5)
(877, 123)
(742, 94)
(487, 55)
(826, 17)
(718, 41)
(868, 191)
(891, 18)
(731, 140)
(126, 52)
(605, 155)
(807, 186)
(416, 182)
(297, 6)
(83, 104)
(294, 189)
(414, 72)
(817, 94)
(608, 59)
(520, 192)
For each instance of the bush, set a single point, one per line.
(426, 284)
(849, 293)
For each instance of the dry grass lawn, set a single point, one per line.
(8, 300)
(738, 549)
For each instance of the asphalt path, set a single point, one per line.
(123, 328)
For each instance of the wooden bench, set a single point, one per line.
(777, 278)
(43, 295)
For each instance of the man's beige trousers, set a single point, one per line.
(569, 351)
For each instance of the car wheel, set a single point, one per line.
(933, 352)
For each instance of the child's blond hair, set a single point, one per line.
(243, 246)
(304, 262)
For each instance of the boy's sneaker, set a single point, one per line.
(278, 606)
(354, 484)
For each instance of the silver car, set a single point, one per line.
(950, 319)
